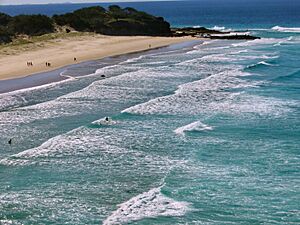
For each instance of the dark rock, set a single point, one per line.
(207, 33)
(235, 37)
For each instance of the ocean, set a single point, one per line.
(204, 132)
(233, 13)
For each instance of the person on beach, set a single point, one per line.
(75, 59)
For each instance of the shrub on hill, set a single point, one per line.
(31, 25)
(5, 36)
(4, 19)
(85, 19)
(114, 21)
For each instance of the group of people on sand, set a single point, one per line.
(47, 63)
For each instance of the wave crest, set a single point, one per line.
(287, 29)
(262, 63)
(221, 28)
(147, 205)
(195, 126)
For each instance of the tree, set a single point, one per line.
(31, 25)
(4, 19)
(5, 36)
(114, 21)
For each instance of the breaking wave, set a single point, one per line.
(262, 63)
(195, 126)
(262, 41)
(149, 204)
(287, 29)
(221, 28)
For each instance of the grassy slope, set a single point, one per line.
(24, 43)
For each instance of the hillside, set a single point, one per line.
(112, 21)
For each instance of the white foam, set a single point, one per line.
(192, 98)
(8, 222)
(88, 142)
(26, 157)
(9, 100)
(70, 104)
(231, 34)
(287, 29)
(213, 94)
(260, 63)
(149, 204)
(241, 104)
(195, 126)
(67, 76)
(239, 52)
(230, 56)
(259, 29)
(219, 28)
(265, 63)
(105, 122)
(15, 99)
(207, 42)
(262, 41)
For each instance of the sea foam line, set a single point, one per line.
(264, 63)
(149, 204)
(195, 126)
(287, 29)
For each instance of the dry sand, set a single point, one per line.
(61, 52)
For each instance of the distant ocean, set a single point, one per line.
(232, 13)
(206, 132)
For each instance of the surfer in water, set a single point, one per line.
(106, 121)
(10, 141)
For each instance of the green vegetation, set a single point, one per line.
(114, 21)
(111, 21)
(24, 43)
(32, 25)
(4, 19)
(5, 35)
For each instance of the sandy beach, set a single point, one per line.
(62, 51)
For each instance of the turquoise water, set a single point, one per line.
(206, 132)
(201, 133)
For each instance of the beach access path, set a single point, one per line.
(60, 52)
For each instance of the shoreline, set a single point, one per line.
(61, 52)
(55, 74)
